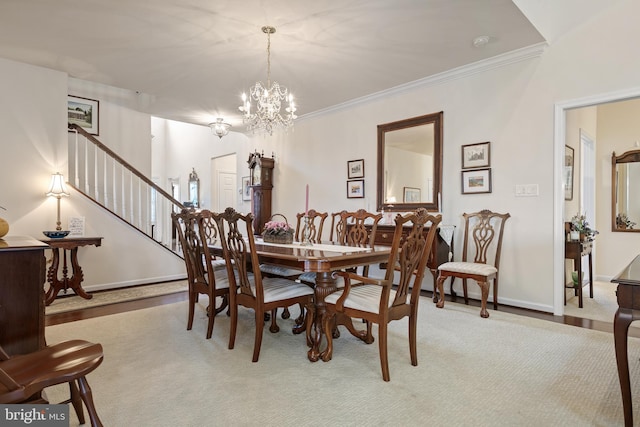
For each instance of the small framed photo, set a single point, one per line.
(355, 169)
(246, 190)
(476, 156)
(355, 189)
(85, 113)
(476, 181)
(411, 195)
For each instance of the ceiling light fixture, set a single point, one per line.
(268, 100)
(220, 128)
(481, 41)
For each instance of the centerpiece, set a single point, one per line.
(277, 231)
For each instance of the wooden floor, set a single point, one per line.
(87, 313)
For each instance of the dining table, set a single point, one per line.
(323, 259)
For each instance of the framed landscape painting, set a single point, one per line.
(355, 189)
(355, 169)
(476, 181)
(85, 113)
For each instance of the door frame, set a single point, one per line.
(559, 138)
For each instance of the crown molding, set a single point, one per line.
(503, 60)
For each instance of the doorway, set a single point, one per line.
(588, 163)
(224, 183)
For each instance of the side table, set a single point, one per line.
(575, 251)
(67, 244)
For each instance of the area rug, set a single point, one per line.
(507, 370)
(70, 303)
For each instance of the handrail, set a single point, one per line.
(107, 179)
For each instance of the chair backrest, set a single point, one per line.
(185, 225)
(208, 235)
(483, 237)
(337, 227)
(412, 243)
(234, 245)
(355, 232)
(315, 224)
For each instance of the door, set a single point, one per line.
(227, 194)
(224, 183)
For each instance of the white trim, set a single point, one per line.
(558, 192)
(518, 55)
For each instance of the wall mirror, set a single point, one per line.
(625, 191)
(410, 164)
(194, 189)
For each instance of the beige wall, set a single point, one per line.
(512, 106)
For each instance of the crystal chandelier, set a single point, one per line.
(268, 100)
(220, 128)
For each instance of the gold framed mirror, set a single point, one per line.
(194, 189)
(625, 191)
(410, 164)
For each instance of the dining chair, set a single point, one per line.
(260, 294)
(205, 274)
(382, 300)
(349, 230)
(482, 245)
(315, 225)
(23, 377)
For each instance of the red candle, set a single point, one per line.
(306, 204)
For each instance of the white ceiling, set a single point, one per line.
(193, 59)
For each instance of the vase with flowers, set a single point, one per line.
(623, 222)
(579, 224)
(277, 231)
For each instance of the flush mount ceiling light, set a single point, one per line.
(219, 127)
(268, 100)
(481, 41)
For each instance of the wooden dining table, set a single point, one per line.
(322, 259)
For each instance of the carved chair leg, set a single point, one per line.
(413, 348)
(495, 294)
(285, 313)
(76, 401)
(464, 290)
(192, 303)
(484, 288)
(258, 337)
(300, 319)
(274, 328)
(382, 346)
(440, 285)
(87, 398)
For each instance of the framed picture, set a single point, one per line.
(476, 181)
(355, 189)
(355, 169)
(85, 113)
(476, 156)
(411, 195)
(568, 173)
(246, 191)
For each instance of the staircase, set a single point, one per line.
(108, 180)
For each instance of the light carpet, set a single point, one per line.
(507, 370)
(601, 307)
(70, 303)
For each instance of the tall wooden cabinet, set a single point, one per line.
(22, 277)
(261, 173)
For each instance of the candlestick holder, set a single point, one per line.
(306, 232)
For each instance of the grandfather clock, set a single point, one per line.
(261, 172)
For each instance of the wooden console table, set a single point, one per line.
(628, 294)
(74, 282)
(575, 251)
(22, 272)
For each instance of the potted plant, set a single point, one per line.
(579, 223)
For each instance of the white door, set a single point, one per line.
(227, 194)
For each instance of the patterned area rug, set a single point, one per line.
(70, 303)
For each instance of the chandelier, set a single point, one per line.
(268, 100)
(220, 128)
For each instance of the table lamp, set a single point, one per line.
(57, 190)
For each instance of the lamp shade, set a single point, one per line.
(57, 187)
